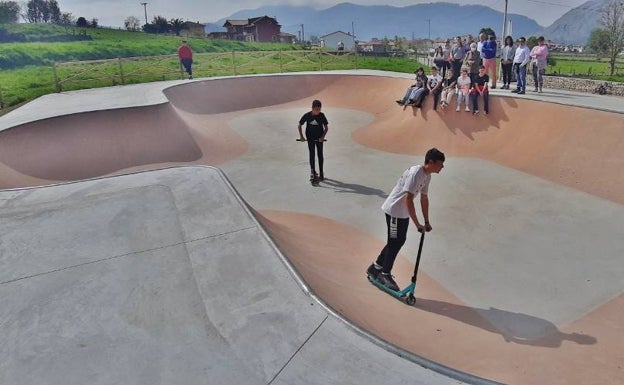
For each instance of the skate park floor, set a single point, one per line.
(139, 262)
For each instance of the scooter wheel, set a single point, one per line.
(410, 300)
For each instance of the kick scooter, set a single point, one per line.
(408, 292)
(314, 179)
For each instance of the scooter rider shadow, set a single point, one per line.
(519, 328)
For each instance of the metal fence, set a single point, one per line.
(69, 75)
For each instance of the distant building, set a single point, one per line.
(371, 47)
(287, 38)
(193, 29)
(334, 40)
(263, 29)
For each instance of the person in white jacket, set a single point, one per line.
(521, 59)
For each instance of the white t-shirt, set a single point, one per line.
(434, 80)
(413, 180)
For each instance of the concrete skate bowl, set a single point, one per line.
(576, 148)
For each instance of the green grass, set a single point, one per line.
(586, 66)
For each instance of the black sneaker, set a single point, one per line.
(373, 272)
(321, 176)
(388, 281)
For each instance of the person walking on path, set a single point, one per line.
(186, 58)
(507, 58)
(521, 59)
(488, 54)
(316, 129)
(399, 208)
(539, 60)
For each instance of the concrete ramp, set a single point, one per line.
(165, 277)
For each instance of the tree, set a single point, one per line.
(35, 10)
(132, 23)
(42, 11)
(82, 22)
(54, 12)
(613, 22)
(531, 41)
(598, 41)
(93, 23)
(176, 26)
(162, 24)
(9, 12)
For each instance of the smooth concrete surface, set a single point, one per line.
(519, 280)
(164, 277)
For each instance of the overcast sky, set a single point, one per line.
(114, 12)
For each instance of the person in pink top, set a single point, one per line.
(463, 88)
(539, 56)
(186, 58)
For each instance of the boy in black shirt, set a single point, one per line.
(316, 129)
(480, 87)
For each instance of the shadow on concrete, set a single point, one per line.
(352, 188)
(519, 328)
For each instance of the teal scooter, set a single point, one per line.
(408, 293)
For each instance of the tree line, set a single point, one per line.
(41, 11)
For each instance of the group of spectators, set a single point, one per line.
(466, 67)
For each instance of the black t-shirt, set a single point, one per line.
(315, 124)
(481, 80)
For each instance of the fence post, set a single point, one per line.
(57, 83)
(355, 56)
(280, 61)
(320, 61)
(1, 99)
(121, 74)
(234, 62)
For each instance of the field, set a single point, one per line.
(103, 57)
(586, 66)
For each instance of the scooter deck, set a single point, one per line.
(406, 294)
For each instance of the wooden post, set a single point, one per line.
(234, 62)
(320, 60)
(280, 61)
(57, 83)
(121, 73)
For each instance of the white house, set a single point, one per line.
(333, 40)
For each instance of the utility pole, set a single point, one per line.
(429, 22)
(505, 33)
(145, 9)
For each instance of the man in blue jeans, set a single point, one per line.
(522, 58)
(399, 208)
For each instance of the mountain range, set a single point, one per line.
(434, 20)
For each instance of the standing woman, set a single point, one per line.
(507, 56)
(438, 60)
(446, 52)
(539, 55)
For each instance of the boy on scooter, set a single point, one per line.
(316, 129)
(399, 208)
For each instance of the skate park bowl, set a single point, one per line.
(167, 233)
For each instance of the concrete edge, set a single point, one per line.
(160, 87)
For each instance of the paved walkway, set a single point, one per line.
(507, 289)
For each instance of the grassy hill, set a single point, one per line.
(26, 66)
(102, 44)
